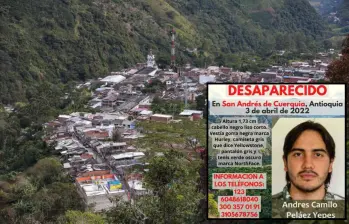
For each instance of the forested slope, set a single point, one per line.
(325, 7)
(343, 11)
(62, 40)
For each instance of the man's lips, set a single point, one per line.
(308, 175)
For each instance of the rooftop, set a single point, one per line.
(113, 116)
(99, 185)
(146, 71)
(146, 112)
(96, 130)
(111, 97)
(66, 165)
(103, 89)
(131, 103)
(96, 105)
(128, 155)
(190, 112)
(139, 109)
(114, 78)
(111, 144)
(136, 184)
(64, 116)
(132, 71)
(162, 115)
(93, 189)
(133, 136)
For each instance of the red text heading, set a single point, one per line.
(277, 90)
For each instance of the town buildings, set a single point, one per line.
(98, 150)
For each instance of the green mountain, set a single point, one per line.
(63, 40)
(343, 13)
(325, 7)
(335, 13)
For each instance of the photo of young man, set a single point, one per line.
(308, 157)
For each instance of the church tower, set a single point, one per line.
(151, 59)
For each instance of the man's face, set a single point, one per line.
(308, 163)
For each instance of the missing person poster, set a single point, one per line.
(276, 151)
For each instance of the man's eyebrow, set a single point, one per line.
(313, 150)
(297, 149)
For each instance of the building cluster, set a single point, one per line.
(122, 91)
(98, 149)
(99, 152)
(333, 17)
(296, 72)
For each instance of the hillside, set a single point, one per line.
(339, 7)
(325, 7)
(251, 24)
(343, 12)
(336, 13)
(63, 40)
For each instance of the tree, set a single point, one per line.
(78, 217)
(201, 103)
(125, 213)
(154, 86)
(213, 206)
(183, 136)
(181, 60)
(206, 45)
(338, 71)
(172, 179)
(116, 136)
(46, 171)
(288, 42)
(175, 197)
(162, 171)
(279, 42)
(163, 60)
(44, 103)
(345, 46)
(300, 40)
(327, 44)
(54, 200)
(41, 195)
(167, 107)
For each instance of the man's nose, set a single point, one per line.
(308, 162)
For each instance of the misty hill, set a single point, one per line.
(63, 40)
(343, 12)
(325, 7)
(339, 7)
